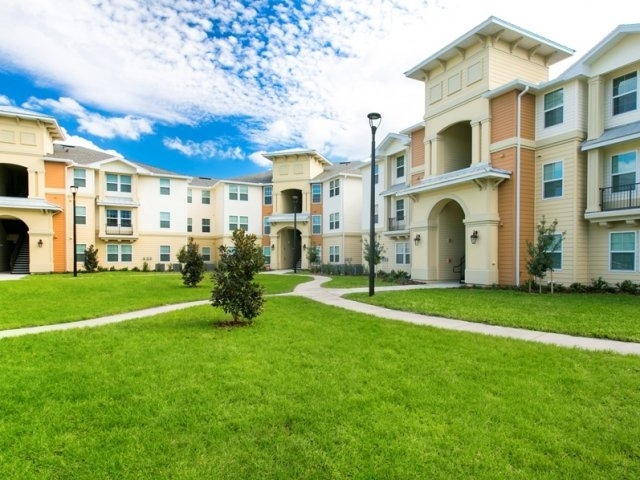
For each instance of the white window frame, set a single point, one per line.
(551, 109)
(620, 95)
(206, 254)
(268, 195)
(403, 253)
(316, 193)
(621, 187)
(613, 252)
(400, 167)
(165, 186)
(266, 253)
(205, 225)
(557, 249)
(266, 226)
(189, 195)
(165, 253)
(334, 253)
(189, 224)
(205, 198)
(81, 248)
(80, 177)
(548, 181)
(81, 215)
(334, 221)
(121, 183)
(123, 253)
(165, 219)
(316, 224)
(334, 188)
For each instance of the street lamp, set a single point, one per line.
(74, 190)
(374, 123)
(295, 233)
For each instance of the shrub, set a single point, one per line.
(192, 264)
(91, 259)
(627, 286)
(577, 287)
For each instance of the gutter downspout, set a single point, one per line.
(518, 147)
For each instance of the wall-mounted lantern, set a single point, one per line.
(40, 243)
(416, 239)
(474, 237)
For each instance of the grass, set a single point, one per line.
(319, 394)
(47, 299)
(613, 316)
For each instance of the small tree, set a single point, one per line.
(541, 253)
(313, 257)
(192, 264)
(234, 289)
(91, 259)
(378, 252)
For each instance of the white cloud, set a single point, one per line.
(302, 72)
(206, 149)
(4, 100)
(83, 142)
(260, 160)
(129, 126)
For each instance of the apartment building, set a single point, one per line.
(501, 146)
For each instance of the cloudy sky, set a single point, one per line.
(201, 87)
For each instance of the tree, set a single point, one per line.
(234, 289)
(91, 259)
(192, 264)
(313, 257)
(541, 253)
(378, 252)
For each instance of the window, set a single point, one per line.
(403, 254)
(206, 254)
(165, 253)
(552, 180)
(623, 172)
(266, 226)
(376, 174)
(81, 215)
(622, 248)
(400, 167)
(165, 186)
(118, 218)
(334, 254)
(206, 197)
(554, 108)
(266, 252)
(189, 225)
(555, 250)
(375, 213)
(118, 183)
(268, 195)
(79, 177)
(80, 252)
(165, 220)
(122, 253)
(400, 210)
(238, 223)
(239, 192)
(334, 188)
(316, 193)
(625, 91)
(189, 195)
(316, 224)
(334, 221)
(206, 225)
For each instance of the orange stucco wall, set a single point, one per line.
(55, 178)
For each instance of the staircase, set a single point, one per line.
(21, 263)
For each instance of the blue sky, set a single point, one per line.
(202, 87)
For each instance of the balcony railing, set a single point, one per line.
(118, 230)
(396, 224)
(620, 197)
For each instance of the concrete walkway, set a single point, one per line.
(329, 296)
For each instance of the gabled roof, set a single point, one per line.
(50, 123)
(623, 133)
(493, 27)
(339, 170)
(474, 173)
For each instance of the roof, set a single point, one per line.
(630, 131)
(493, 27)
(51, 124)
(581, 67)
(262, 177)
(296, 151)
(339, 169)
(28, 204)
(203, 182)
(474, 173)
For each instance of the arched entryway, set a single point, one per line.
(14, 246)
(447, 241)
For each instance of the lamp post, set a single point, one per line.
(295, 233)
(374, 123)
(74, 190)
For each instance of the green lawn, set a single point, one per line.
(310, 391)
(614, 316)
(46, 299)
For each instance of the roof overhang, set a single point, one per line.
(612, 136)
(20, 203)
(49, 122)
(480, 174)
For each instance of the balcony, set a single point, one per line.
(620, 197)
(397, 224)
(122, 232)
(118, 230)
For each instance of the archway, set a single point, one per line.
(446, 260)
(14, 246)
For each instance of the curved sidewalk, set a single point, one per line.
(331, 296)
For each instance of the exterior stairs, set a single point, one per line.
(21, 264)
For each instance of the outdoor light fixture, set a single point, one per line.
(40, 243)
(374, 123)
(304, 247)
(416, 240)
(74, 190)
(295, 233)
(474, 237)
